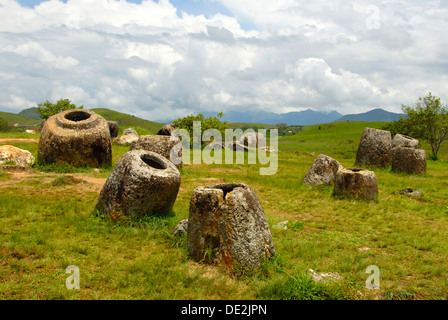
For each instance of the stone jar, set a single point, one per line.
(143, 183)
(113, 128)
(374, 148)
(401, 140)
(409, 160)
(79, 137)
(166, 130)
(323, 171)
(227, 225)
(162, 145)
(253, 140)
(356, 184)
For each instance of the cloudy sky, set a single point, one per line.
(163, 59)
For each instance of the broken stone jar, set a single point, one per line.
(356, 184)
(227, 225)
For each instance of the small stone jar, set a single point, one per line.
(356, 184)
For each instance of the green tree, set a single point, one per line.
(206, 123)
(48, 109)
(4, 126)
(427, 120)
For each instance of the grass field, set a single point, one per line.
(47, 225)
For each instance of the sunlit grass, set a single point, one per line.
(47, 223)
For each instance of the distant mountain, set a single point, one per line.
(376, 115)
(30, 113)
(13, 118)
(306, 117)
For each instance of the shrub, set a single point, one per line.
(48, 109)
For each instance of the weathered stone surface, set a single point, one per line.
(113, 128)
(217, 145)
(253, 140)
(167, 130)
(374, 148)
(236, 146)
(79, 137)
(163, 145)
(411, 192)
(41, 126)
(227, 225)
(143, 183)
(404, 141)
(323, 171)
(10, 154)
(356, 184)
(409, 160)
(130, 131)
(181, 228)
(129, 136)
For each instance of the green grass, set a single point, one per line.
(48, 224)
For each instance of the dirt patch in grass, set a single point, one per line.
(82, 182)
(9, 140)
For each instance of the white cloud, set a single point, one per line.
(153, 61)
(33, 50)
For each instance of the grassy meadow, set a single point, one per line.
(47, 224)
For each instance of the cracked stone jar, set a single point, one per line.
(227, 225)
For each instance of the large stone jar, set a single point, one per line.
(374, 148)
(143, 183)
(227, 225)
(78, 137)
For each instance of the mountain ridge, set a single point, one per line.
(305, 117)
(378, 114)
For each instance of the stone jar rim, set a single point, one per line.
(77, 119)
(155, 164)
